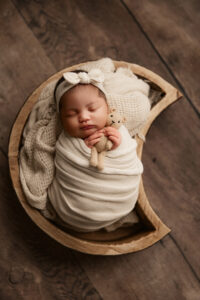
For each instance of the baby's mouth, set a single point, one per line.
(87, 127)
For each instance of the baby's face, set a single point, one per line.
(83, 111)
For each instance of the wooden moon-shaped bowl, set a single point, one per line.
(125, 240)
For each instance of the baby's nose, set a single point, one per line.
(84, 116)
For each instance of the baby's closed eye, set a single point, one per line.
(70, 114)
(93, 108)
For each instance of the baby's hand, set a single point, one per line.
(94, 138)
(113, 135)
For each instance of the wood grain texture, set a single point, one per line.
(158, 272)
(172, 178)
(107, 29)
(88, 30)
(173, 29)
(23, 66)
(33, 266)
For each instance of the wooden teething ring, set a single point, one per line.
(116, 243)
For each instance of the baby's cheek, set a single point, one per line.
(68, 126)
(64, 123)
(103, 119)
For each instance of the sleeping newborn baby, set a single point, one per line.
(85, 198)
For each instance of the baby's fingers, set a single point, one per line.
(115, 140)
(112, 131)
(91, 143)
(95, 136)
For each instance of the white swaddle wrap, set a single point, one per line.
(89, 199)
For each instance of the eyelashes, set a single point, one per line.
(74, 113)
(92, 109)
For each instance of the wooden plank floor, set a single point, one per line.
(38, 38)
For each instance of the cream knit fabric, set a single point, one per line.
(124, 91)
(37, 159)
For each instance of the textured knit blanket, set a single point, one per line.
(124, 91)
(86, 198)
(37, 166)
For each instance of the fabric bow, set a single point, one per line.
(93, 76)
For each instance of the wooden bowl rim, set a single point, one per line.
(126, 245)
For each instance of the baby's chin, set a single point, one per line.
(83, 134)
(87, 133)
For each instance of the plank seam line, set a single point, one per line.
(162, 59)
(184, 257)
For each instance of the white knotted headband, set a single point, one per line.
(94, 77)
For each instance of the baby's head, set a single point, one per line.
(83, 108)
